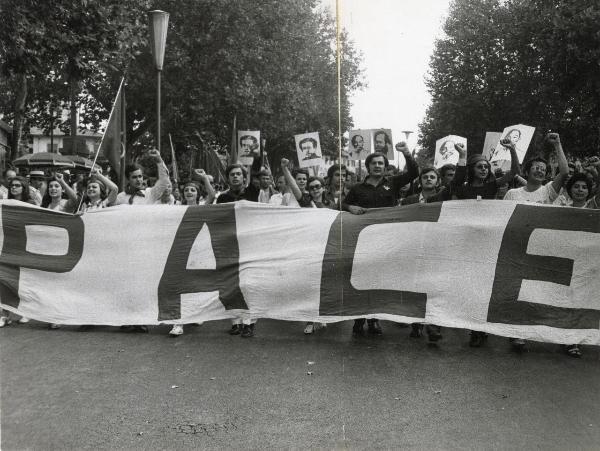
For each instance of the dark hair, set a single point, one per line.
(100, 183)
(529, 163)
(446, 168)
(353, 140)
(312, 140)
(335, 167)
(387, 138)
(510, 131)
(194, 184)
(443, 146)
(304, 171)
(579, 177)
(25, 197)
(47, 200)
(427, 169)
(374, 155)
(132, 167)
(233, 166)
(471, 171)
(253, 138)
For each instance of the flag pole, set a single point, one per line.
(110, 116)
(173, 162)
(123, 140)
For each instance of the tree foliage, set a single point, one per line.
(270, 63)
(519, 61)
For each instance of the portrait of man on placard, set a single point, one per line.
(248, 142)
(359, 146)
(489, 145)
(308, 148)
(520, 135)
(445, 152)
(382, 142)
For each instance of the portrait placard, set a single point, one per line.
(521, 136)
(382, 142)
(247, 141)
(489, 145)
(308, 148)
(445, 153)
(359, 144)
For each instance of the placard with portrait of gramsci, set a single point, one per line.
(248, 141)
(520, 135)
(359, 144)
(308, 147)
(445, 152)
(382, 142)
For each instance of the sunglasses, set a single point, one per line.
(314, 187)
(482, 166)
(16, 185)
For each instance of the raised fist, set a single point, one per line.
(155, 155)
(402, 147)
(460, 148)
(553, 138)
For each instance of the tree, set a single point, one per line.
(272, 64)
(66, 53)
(519, 61)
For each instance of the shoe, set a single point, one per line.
(53, 326)
(373, 327)
(518, 344)
(357, 329)
(140, 329)
(477, 339)
(176, 331)
(433, 333)
(4, 321)
(248, 330)
(573, 351)
(236, 329)
(23, 320)
(309, 329)
(417, 331)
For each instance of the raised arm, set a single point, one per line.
(210, 191)
(290, 180)
(563, 166)
(111, 189)
(412, 169)
(514, 163)
(163, 176)
(70, 192)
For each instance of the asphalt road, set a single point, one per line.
(106, 389)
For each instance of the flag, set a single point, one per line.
(111, 145)
(233, 151)
(174, 169)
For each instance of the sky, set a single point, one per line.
(396, 38)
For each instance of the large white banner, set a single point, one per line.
(510, 269)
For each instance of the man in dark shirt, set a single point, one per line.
(378, 191)
(236, 178)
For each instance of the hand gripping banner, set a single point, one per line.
(518, 270)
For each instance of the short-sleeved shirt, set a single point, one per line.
(545, 194)
(385, 194)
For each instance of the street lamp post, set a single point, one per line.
(159, 22)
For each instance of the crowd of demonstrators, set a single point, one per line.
(572, 183)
